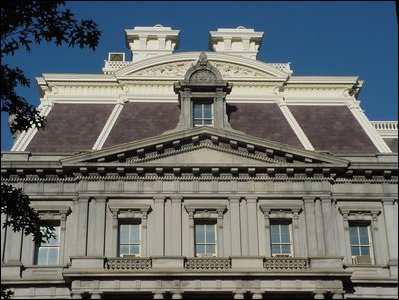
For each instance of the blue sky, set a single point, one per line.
(318, 38)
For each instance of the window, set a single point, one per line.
(47, 253)
(205, 239)
(129, 239)
(360, 243)
(280, 236)
(202, 113)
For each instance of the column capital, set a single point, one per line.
(159, 199)
(251, 199)
(309, 199)
(234, 199)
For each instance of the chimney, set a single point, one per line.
(238, 41)
(145, 42)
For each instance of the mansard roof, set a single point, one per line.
(93, 111)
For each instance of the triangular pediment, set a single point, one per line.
(204, 146)
(231, 67)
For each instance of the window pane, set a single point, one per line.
(275, 249)
(199, 233)
(207, 111)
(210, 249)
(198, 122)
(197, 111)
(199, 249)
(285, 237)
(286, 249)
(275, 238)
(365, 251)
(364, 236)
(124, 234)
(207, 122)
(353, 235)
(355, 251)
(42, 256)
(124, 249)
(134, 249)
(274, 229)
(210, 233)
(134, 233)
(53, 256)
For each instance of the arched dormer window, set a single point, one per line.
(202, 96)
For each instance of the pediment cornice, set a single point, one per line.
(175, 66)
(240, 149)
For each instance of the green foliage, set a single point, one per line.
(6, 294)
(24, 22)
(16, 205)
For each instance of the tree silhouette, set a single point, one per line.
(23, 24)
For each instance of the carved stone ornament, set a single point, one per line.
(203, 76)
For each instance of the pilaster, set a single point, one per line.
(252, 226)
(96, 232)
(81, 240)
(235, 225)
(311, 226)
(158, 241)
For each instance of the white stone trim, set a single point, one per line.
(295, 126)
(377, 140)
(108, 126)
(26, 137)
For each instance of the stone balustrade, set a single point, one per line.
(385, 125)
(208, 263)
(136, 263)
(286, 263)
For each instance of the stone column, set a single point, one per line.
(81, 237)
(252, 226)
(96, 236)
(96, 295)
(13, 246)
(296, 234)
(176, 226)
(257, 295)
(177, 295)
(114, 232)
(328, 225)
(267, 233)
(158, 295)
(238, 295)
(390, 209)
(348, 256)
(244, 227)
(310, 226)
(318, 295)
(158, 241)
(144, 247)
(235, 225)
(191, 233)
(218, 109)
(375, 238)
(62, 236)
(220, 242)
(321, 248)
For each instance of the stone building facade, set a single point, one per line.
(194, 175)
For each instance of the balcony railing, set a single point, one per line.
(208, 263)
(286, 263)
(385, 125)
(112, 66)
(120, 263)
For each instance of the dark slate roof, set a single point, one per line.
(262, 120)
(76, 127)
(71, 128)
(333, 129)
(392, 144)
(139, 120)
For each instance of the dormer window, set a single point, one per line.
(202, 113)
(202, 97)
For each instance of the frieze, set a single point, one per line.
(179, 69)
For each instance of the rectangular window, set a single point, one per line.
(359, 235)
(205, 239)
(280, 237)
(202, 113)
(47, 253)
(129, 239)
